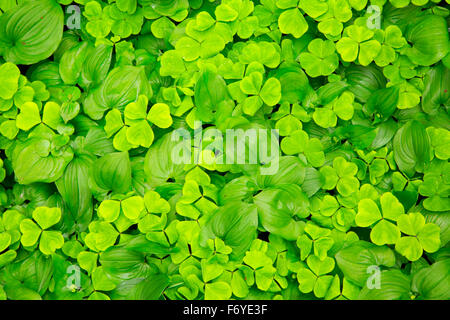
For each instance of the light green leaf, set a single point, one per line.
(9, 77)
(292, 22)
(159, 115)
(384, 232)
(271, 92)
(50, 241)
(133, 207)
(46, 217)
(28, 117)
(30, 232)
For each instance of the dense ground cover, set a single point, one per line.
(351, 98)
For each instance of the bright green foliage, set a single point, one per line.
(116, 164)
(420, 236)
(32, 233)
(321, 59)
(384, 231)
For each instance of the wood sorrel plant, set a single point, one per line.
(231, 149)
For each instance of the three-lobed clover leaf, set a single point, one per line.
(341, 107)
(101, 236)
(316, 238)
(10, 228)
(49, 240)
(269, 93)
(357, 43)
(199, 196)
(435, 186)
(141, 225)
(314, 277)
(321, 60)
(384, 231)
(262, 268)
(420, 237)
(291, 20)
(342, 216)
(341, 176)
(136, 130)
(237, 12)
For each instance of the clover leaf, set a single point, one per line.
(341, 176)
(269, 93)
(321, 60)
(358, 43)
(420, 237)
(384, 231)
(341, 107)
(291, 20)
(101, 236)
(49, 240)
(262, 267)
(314, 278)
(435, 186)
(9, 76)
(317, 238)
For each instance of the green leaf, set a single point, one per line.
(432, 282)
(133, 207)
(411, 147)
(101, 281)
(368, 51)
(325, 117)
(429, 38)
(210, 92)
(217, 291)
(235, 223)
(5, 240)
(9, 76)
(46, 217)
(384, 232)
(50, 241)
(271, 92)
(162, 28)
(409, 247)
(320, 267)
(292, 22)
(355, 259)
(159, 115)
(225, 13)
(41, 36)
(51, 115)
(113, 172)
(140, 134)
(252, 104)
(28, 117)
(384, 101)
(395, 285)
(137, 110)
(347, 48)
(429, 237)
(411, 224)
(252, 83)
(30, 232)
(391, 207)
(109, 210)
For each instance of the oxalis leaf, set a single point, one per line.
(224, 149)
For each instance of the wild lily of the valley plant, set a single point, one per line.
(94, 206)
